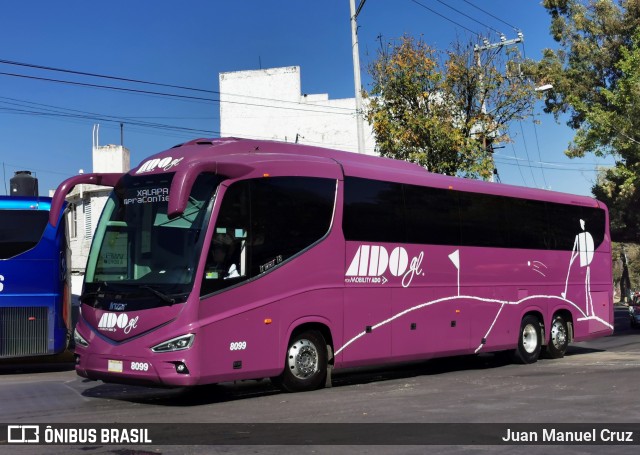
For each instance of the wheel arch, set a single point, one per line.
(567, 315)
(319, 324)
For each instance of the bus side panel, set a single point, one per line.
(252, 344)
(367, 338)
(35, 280)
(590, 290)
(428, 323)
(308, 286)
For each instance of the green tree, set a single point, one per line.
(596, 80)
(444, 111)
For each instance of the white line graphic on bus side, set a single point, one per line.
(480, 299)
(455, 259)
(535, 266)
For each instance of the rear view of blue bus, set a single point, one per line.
(35, 299)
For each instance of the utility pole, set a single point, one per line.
(483, 109)
(356, 71)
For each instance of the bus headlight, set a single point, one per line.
(79, 339)
(175, 344)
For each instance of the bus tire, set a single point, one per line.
(529, 341)
(559, 338)
(305, 366)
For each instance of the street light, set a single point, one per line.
(544, 88)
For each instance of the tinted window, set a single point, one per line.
(20, 230)
(288, 214)
(376, 211)
(373, 211)
(264, 222)
(595, 223)
(483, 220)
(528, 224)
(564, 224)
(432, 215)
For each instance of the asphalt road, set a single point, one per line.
(597, 381)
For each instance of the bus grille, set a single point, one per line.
(23, 331)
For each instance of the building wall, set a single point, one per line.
(86, 204)
(111, 158)
(269, 104)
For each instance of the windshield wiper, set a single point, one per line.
(162, 296)
(95, 293)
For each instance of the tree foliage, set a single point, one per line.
(596, 79)
(443, 111)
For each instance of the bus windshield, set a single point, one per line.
(140, 253)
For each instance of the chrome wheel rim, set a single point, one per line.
(558, 335)
(302, 359)
(529, 338)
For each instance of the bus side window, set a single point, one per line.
(264, 222)
(227, 256)
(288, 214)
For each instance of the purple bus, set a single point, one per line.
(231, 259)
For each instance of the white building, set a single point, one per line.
(269, 104)
(85, 206)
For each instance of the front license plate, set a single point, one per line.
(115, 366)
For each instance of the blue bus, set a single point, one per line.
(35, 294)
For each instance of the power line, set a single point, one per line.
(115, 78)
(467, 16)
(489, 14)
(22, 103)
(526, 150)
(171, 95)
(509, 160)
(445, 17)
(108, 119)
(48, 171)
(535, 132)
(32, 108)
(38, 109)
(157, 84)
(517, 162)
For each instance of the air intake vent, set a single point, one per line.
(23, 331)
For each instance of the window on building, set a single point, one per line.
(73, 221)
(88, 229)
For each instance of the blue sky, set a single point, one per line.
(189, 43)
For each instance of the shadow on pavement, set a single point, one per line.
(38, 364)
(225, 392)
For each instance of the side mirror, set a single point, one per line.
(65, 188)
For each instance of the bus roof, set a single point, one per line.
(25, 203)
(238, 158)
(247, 153)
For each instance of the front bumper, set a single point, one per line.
(162, 370)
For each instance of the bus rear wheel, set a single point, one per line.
(559, 338)
(305, 365)
(529, 341)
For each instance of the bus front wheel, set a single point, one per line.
(529, 340)
(305, 366)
